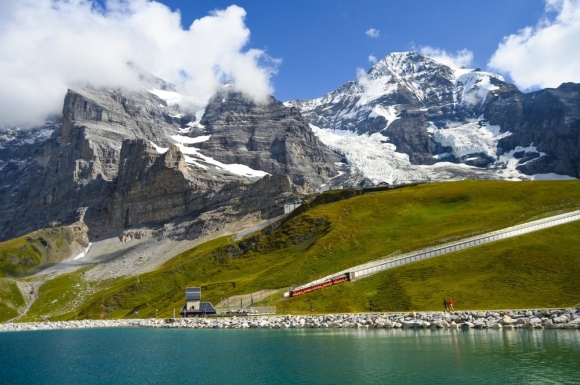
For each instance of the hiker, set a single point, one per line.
(445, 304)
(451, 305)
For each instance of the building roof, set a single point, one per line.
(204, 308)
(207, 307)
(193, 294)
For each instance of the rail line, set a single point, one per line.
(370, 268)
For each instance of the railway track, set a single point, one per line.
(370, 268)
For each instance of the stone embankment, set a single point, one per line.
(514, 319)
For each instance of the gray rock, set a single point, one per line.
(560, 319)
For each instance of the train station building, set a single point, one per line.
(193, 306)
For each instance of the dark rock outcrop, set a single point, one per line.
(268, 137)
(548, 119)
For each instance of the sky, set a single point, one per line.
(293, 50)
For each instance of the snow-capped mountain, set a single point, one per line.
(119, 159)
(412, 118)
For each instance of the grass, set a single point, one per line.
(10, 299)
(28, 254)
(338, 230)
(531, 271)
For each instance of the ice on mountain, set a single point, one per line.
(171, 97)
(551, 176)
(470, 138)
(389, 113)
(476, 86)
(371, 156)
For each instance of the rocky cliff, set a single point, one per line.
(268, 137)
(117, 159)
(548, 119)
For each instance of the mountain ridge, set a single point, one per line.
(429, 111)
(128, 161)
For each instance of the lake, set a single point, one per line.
(310, 356)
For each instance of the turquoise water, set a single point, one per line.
(180, 356)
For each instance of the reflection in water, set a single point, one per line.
(309, 356)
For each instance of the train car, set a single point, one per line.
(333, 281)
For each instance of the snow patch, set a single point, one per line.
(194, 157)
(189, 140)
(83, 253)
(476, 86)
(171, 97)
(389, 113)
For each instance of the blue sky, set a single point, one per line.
(294, 49)
(323, 42)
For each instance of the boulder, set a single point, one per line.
(560, 319)
(507, 320)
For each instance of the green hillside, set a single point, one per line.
(28, 254)
(10, 299)
(338, 230)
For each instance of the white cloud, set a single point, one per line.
(47, 46)
(373, 59)
(460, 59)
(544, 55)
(374, 33)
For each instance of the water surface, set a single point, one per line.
(339, 356)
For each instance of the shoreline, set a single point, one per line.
(565, 318)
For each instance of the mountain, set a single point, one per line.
(123, 159)
(412, 118)
(125, 180)
(129, 164)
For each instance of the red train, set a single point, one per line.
(334, 281)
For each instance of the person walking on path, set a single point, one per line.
(445, 304)
(450, 302)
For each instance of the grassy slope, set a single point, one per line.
(33, 252)
(10, 299)
(330, 237)
(534, 270)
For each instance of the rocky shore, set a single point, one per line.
(568, 318)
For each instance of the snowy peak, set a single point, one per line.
(427, 120)
(402, 81)
(422, 79)
(430, 80)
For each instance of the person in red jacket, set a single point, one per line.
(450, 303)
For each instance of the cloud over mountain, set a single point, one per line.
(47, 46)
(541, 55)
(458, 59)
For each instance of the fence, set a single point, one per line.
(372, 268)
(257, 310)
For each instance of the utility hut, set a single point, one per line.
(193, 305)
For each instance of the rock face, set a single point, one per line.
(118, 159)
(268, 137)
(434, 113)
(122, 158)
(548, 119)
